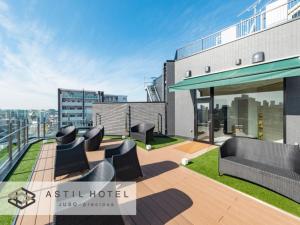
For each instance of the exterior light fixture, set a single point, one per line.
(188, 74)
(258, 57)
(207, 69)
(238, 62)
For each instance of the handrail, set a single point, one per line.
(14, 132)
(243, 29)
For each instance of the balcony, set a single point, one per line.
(273, 15)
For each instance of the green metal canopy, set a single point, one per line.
(267, 71)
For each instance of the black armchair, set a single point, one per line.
(125, 160)
(104, 173)
(66, 135)
(93, 138)
(70, 158)
(142, 132)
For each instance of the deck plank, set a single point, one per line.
(171, 194)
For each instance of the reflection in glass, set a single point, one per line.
(253, 110)
(203, 122)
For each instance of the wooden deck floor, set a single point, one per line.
(171, 194)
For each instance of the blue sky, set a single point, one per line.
(108, 45)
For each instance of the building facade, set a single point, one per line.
(242, 85)
(75, 106)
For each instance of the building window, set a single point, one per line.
(296, 15)
(252, 110)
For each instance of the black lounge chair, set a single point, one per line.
(70, 158)
(272, 165)
(66, 135)
(142, 132)
(125, 160)
(93, 138)
(104, 173)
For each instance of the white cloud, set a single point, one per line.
(33, 66)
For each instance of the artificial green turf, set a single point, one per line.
(22, 172)
(207, 165)
(4, 153)
(112, 137)
(160, 142)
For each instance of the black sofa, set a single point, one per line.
(70, 158)
(272, 165)
(66, 135)
(142, 132)
(93, 138)
(125, 160)
(104, 173)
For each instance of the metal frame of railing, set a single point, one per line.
(16, 140)
(243, 28)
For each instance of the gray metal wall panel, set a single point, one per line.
(278, 42)
(170, 79)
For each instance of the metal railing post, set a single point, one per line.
(38, 127)
(24, 131)
(9, 142)
(44, 128)
(129, 120)
(19, 134)
(27, 131)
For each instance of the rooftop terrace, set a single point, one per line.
(172, 194)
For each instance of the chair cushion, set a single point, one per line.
(271, 169)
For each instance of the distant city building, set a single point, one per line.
(114, 98)
(75, 106)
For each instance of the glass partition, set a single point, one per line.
(252, 110)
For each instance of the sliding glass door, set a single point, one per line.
(203, 120)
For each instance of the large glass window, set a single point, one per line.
(253, 110)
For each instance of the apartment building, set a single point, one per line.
(75, 106)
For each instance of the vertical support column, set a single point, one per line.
(19, 134)
(38, 128)
(194, 100)
(211, 107)
(9, 141)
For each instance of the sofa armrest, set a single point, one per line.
(228, 148)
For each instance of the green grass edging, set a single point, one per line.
(160, 142)
(22, 172)
(207, 165)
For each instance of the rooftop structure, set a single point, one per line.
(272, 14)
(75, 106)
